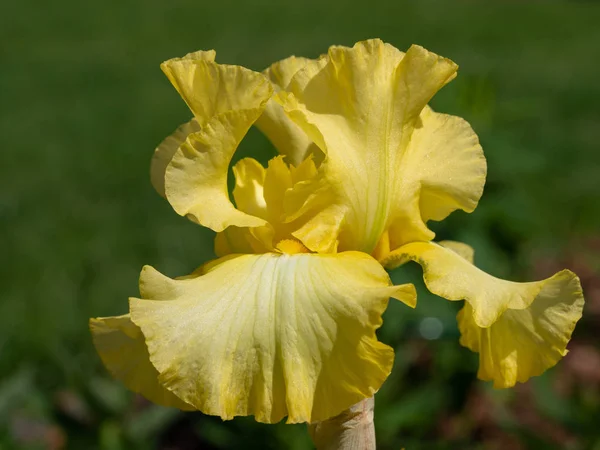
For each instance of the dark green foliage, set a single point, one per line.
(83, 104)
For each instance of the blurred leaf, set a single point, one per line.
(111, 436)
(110, 393)
(145, 425)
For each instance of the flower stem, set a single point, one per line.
(353, 429)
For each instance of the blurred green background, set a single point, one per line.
(83, 104)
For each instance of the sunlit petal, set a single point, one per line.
(365, 107)
(226, 100)
(519, 329)
(449, 275)
(285, 135)
(442, 169)
(262, 192)
(210, 89)
(167, 148)
(270, 335)
(524, 343)
(165, 151)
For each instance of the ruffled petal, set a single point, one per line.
(167, 148)
(199, 55)
(284, 134)
(121, 346)
(210, 89)
(226, 100)
(443, 169)
(261, 192)
(304, 171)
(463, 250)
(525, 343)
(451, 276)
(270, 335)
(519, 329)
(248, 191)
(364, 107)
(455, 174)
(165, 151)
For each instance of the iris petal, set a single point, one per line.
(248, 191)
(121, 346)
(165, 151)
(226, 101)
(526, 342)
(210, 89)
(443, 169)
(365, 107)
(519, 329)
(262, 192)
(270, 335)
(285, 135)
(167, 148)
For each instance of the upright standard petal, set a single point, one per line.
(519, 329)
(226, 101)
(121, 346)
(210, 89)
(289, 139)
(164, 154)
(167, 148)
(270, 335)
(364, 107)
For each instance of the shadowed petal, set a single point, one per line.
(120, 344)
(289, 139)
(519, 329)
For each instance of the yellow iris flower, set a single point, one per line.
(283, 323)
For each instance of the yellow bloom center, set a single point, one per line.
(291, 247)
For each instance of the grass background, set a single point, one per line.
(83, 104)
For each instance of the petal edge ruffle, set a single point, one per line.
(121, 346)
(519, 329)
(525, 343)
(235, 341)
(391, 163)
(226, 100)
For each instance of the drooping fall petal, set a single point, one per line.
(519, 329)
(270, 335)
(460, 248)
(525, 343)
(120, 344)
